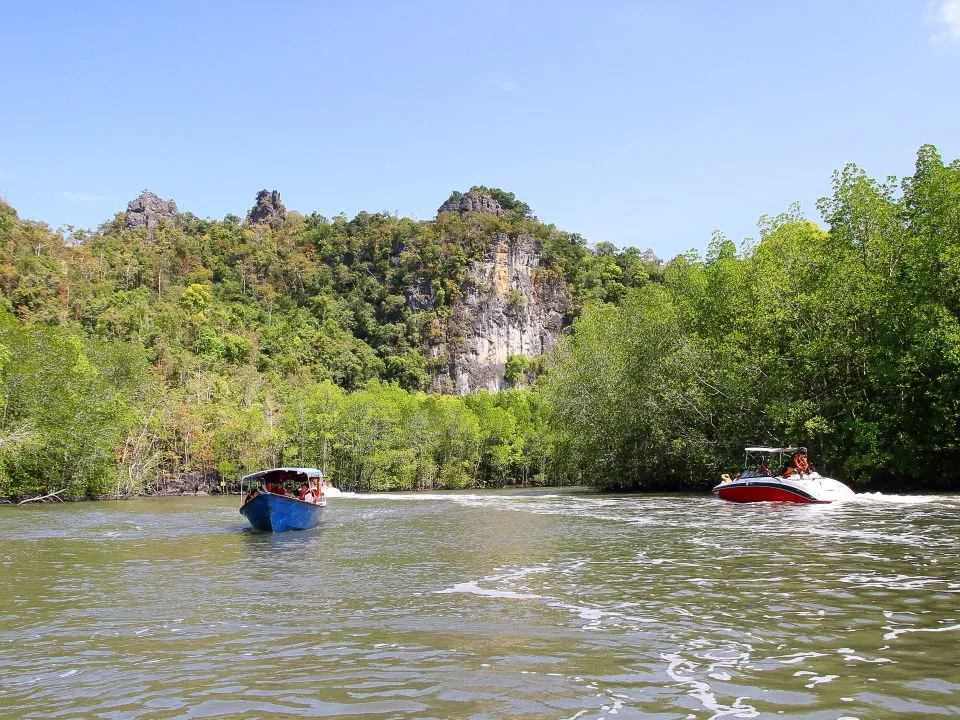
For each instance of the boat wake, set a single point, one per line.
(901, 499)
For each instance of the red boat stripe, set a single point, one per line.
(764, 492)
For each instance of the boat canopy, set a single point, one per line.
(281, 474)
(771, 450)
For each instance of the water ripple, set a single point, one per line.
(540, 604)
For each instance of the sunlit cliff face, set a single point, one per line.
(510, 308)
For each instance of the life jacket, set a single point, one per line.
(311, 489)
(800, 462)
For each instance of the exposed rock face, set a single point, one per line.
(268, 208)
(511, 306)
(471, 202)
(148, 210)
(420, 297)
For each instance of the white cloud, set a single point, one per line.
(946, 14)
(510, 86)
(79, 197)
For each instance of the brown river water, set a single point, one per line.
(523, 604)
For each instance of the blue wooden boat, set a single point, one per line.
(268, 506)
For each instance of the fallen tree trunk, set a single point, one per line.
(42, 498)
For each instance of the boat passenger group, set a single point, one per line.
(798, 465)
(307, 490)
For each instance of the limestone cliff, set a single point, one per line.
(511, 305)
(267, 208)
(472, 201)
(149, 210)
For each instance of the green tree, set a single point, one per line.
(64, 416)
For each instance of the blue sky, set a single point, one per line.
(639, 123)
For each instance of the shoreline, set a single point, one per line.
(15, 501)
(881, 488)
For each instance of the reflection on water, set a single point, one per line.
(515, 604)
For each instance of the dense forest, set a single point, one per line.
(152, 357)
(173, 355)
(845, 340)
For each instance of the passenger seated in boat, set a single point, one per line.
(251, 495)
(308, 492)
(275, 487)
(763, 469)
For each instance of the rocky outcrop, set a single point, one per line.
(511, 305)
(149, 210)
(268, 208)
(420, 296)
(472, 201)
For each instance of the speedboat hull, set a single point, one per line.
(278, 513)
(810, 489)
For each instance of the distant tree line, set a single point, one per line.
(85, 416)
(215, 348)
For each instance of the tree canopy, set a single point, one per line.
(233, 326)
(135, 362)
(844, 340)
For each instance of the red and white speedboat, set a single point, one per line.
(795, 481)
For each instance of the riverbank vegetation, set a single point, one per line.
(169, 356)
(87, 416)
(844, 340)
(146, 360)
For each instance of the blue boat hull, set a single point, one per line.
(279, 513)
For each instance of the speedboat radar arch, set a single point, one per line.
(794, 479)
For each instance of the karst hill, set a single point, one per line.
(468, 300)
